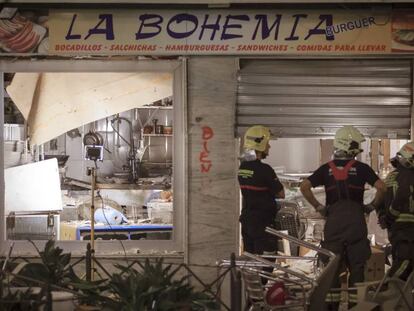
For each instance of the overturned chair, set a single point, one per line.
(279, 291)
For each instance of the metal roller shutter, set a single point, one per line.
(313, 98)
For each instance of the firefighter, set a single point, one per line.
(259, 187)
(398, 213)
(345, 231)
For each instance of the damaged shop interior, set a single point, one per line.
(111, 132)
(298, 219)
(297, 216)
(304, 102)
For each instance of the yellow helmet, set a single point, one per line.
(406, 155)
(257, 137)
(348, 140)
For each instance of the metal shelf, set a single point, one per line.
(130, 186)
(168, 163)
(157, 107)
(157, 135)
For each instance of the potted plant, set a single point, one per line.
(155, 287)
(90, 295)
(54, 269)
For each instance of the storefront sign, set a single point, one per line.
(219, 32)
(207, 32)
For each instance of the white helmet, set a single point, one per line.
(348, 141)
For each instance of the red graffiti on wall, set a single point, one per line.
(205, 162)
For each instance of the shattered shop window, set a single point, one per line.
(115, 170)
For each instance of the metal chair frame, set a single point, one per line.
(308, 292)
(256, 291)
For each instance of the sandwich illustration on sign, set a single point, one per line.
(20, 34)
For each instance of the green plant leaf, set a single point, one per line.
(153, 286)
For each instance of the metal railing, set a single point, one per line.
(92, 264)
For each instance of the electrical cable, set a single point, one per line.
(103, 212)
(110, 227)
(106, 141)
(119, 134)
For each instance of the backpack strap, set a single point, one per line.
(341, 174)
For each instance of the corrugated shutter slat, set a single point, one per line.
(303, 98)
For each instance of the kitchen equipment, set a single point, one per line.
(74, 133)
(148, 129)
(155, 121)
(167, 101)
(168, 130)
(93, 138)
(159, 129)
(121, 177)
(33, 188)
(160, 212)
(44, 226)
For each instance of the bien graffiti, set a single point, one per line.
(205, 162)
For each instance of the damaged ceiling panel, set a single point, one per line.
(54, 103)
(23, 89)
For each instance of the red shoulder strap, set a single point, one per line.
(343, 173)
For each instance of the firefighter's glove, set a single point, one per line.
(368, 208)
(321, 209)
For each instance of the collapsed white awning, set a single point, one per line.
(54, 103)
